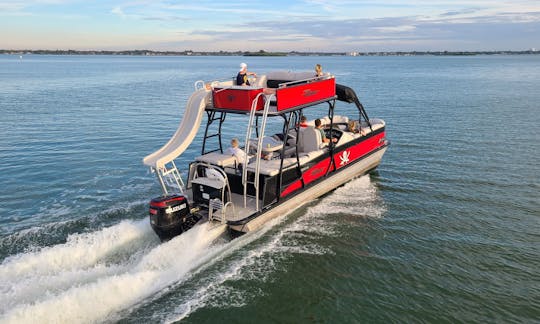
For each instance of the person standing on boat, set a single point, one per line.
(242, 76)
(319, 127)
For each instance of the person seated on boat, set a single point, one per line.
(238, 153)
(319, 127)
(303, 122)
(243, 80)
(267, 156)
(242, 76)
(318, 71)
(354, 127)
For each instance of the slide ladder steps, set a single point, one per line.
(170, 179)
(161, 162)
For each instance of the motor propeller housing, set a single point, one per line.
(171, 216)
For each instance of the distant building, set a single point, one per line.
(353, 53)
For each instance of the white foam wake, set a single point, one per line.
(94, 276)
(102, 277)
(359, 197)
(80, 251)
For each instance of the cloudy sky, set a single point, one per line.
(277, 25)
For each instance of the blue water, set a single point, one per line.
(446, 230)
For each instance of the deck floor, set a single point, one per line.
(238, 212)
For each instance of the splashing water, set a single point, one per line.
(94, 276)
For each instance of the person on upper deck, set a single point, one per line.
(319, 127)
(318, 70)
(242, 76)
(242, 79)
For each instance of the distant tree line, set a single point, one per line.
(258, 53)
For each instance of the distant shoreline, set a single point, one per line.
(262, 53)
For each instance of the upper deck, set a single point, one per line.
(285, 90)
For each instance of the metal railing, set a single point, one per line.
(252, 126)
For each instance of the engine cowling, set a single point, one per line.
(170, 216)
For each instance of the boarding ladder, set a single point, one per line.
(254, 127)
(217, 204)
(170, 178)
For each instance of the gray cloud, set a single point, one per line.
(519, 31)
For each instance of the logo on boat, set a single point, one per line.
(315, 172)
(175, 209)
(309, 92)
(344, 158)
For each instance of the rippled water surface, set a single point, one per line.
(447, 229)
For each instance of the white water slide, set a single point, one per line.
(184, 134)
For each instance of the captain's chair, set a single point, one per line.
(311, 139)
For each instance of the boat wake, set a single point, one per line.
(94, 275)
(122, 269)
(277, 241)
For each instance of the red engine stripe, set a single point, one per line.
(165, 202)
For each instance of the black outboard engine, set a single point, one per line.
(170, 216)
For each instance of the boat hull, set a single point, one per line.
(317, 189)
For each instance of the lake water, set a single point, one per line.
(447, 229)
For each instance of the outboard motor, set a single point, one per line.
(170, 216)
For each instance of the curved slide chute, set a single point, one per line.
(184, 134)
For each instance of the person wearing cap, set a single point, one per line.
(242, 77)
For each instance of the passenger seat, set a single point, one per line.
(311, 139)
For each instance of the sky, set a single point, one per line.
(277, 25)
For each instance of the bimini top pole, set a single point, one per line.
(347, 94)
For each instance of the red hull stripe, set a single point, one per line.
(341, 158)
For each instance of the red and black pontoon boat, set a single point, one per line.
(285, 166)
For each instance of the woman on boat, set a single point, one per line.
(354, 127)
(318, 70)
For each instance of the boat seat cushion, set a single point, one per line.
(271, 167)
(219, 159)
